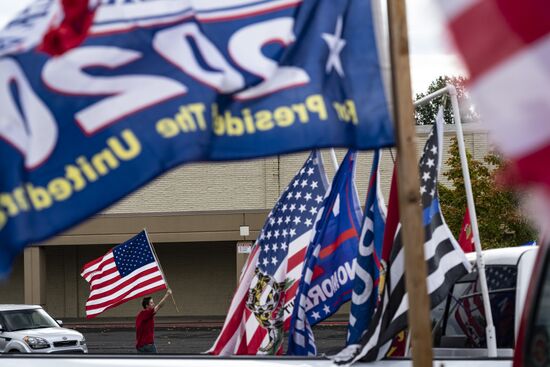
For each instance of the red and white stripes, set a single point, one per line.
(109, 289)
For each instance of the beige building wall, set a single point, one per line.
(256, 184)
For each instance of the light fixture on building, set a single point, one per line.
(244, 230)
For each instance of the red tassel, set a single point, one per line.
(72, 30)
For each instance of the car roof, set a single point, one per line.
(502, 256)
(15, 307)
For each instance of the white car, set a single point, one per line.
(29, 329)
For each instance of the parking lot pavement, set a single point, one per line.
(190, 340)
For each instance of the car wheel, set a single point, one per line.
(14, 351)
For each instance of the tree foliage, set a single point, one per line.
(500, 221)
(425, 114)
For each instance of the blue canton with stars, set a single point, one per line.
(133, 254)
(293, 215)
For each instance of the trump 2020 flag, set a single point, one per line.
(327, 277)
(129, 270)
(367, 266)
(262, 305)
(160, 83)
(445, 260)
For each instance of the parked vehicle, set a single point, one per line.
(459, 323)
(533, 344)
(458, 326)
(29, 329)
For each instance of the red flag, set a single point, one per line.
(392, 219)
(466, 238)
(72, 30)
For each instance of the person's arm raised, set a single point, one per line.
(161, 303)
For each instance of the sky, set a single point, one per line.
(431, 53)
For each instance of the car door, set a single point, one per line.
(3, 339)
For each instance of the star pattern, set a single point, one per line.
(293, 215)
(428, 170)
(336, 44)
(133, 254)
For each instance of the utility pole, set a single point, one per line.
(409, 188)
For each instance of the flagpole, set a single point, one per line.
(160, 267)
(334, 159)
(490, 328)
(409, 189)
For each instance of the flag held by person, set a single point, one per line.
(327, 277)
(365, 289)
(260, 309)
(127, 271)
(445, 261)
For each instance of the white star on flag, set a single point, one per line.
(335, 44)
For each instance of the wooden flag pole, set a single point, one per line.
(409, 188)
(160, 268)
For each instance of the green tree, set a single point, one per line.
(424, 114)
(500, 221)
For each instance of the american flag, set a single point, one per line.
(277, 258)
(509, 78)
(445, 260)
(129, 270)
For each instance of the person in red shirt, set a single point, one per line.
(145, 324)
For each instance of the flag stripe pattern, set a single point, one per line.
(510, 73)
(278, 252)
(365, 291)
(333, 248)
(128, 271)
(445, 260)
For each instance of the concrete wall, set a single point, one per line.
(12, 289)
(256, 184)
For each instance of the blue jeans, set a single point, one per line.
(147, 348)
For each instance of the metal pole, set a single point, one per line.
(490, 329)
(160, 267)
(334, 159)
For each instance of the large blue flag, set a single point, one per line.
(365, 289)
(327, 278)
(159, 83)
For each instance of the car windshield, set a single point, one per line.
(28, 319)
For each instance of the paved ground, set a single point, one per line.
(189, 340)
